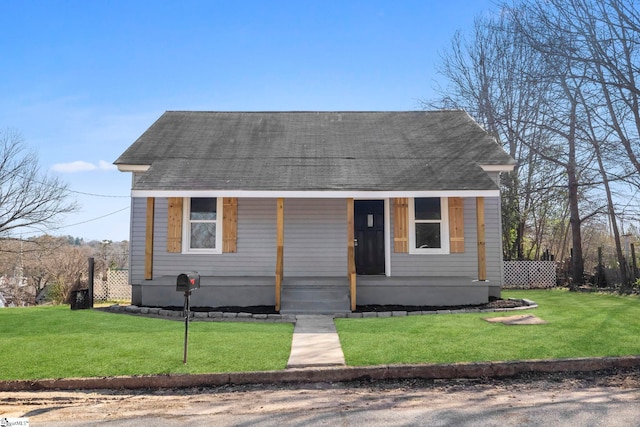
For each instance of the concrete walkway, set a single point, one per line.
(315, 343)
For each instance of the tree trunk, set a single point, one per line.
(574, 210)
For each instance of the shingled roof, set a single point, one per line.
(315, 151)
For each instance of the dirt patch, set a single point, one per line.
(522, 319)
(104, 406)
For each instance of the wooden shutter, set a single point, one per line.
(230, 224)
(456, 225)
(174, 228)
(401, 225)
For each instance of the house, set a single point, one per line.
(299, 209)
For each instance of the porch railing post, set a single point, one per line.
(279, 249)
(351, 258)
(482, 243)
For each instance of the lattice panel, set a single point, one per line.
(116, 287)
(529, 274)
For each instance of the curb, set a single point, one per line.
(310, 375)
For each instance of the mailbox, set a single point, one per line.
(188, 282)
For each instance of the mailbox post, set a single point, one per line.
(187, 282)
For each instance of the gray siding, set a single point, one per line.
(315, 241)
(493, 233)
(315, 237)
(462, 264)
(256, 244)
(138, 230)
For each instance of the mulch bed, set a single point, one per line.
(255, 309)
(269, 309)
(494, 303)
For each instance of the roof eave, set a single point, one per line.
(498, 168)
(316, 194)
(133, 168)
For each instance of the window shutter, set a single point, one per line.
(456, 225)
(174, 222)
(230, 224)
(401, 225)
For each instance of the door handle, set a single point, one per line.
(355, 242)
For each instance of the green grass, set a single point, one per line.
(579, 325)
(55, 342)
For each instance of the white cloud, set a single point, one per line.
(77, 166)
(106, 166)
(82, 166)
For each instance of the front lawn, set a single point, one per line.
(579, 325)
(56, 342)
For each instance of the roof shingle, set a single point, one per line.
(299, 151)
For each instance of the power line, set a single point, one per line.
(96, 195)
(92, 219)
(73, 191)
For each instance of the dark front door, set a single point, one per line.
(368, 218)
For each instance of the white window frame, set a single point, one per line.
(186, 228)
(444, 229)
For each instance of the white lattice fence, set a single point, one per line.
(529, 274)
(115, 287)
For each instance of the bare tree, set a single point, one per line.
(67, 269)
(29, 198)
(607, 34)
(494, 75)
(607, 44)
(35, 257)
(23, 267)
(555, 82)
(594, 48)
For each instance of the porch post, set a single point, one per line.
(148, 241)
(482, 243)
(279, 249)
(351, 258)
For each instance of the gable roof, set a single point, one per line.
(314, 151)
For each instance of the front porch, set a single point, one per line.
(299, 255)
(317, 295)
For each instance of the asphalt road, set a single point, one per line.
(546, 400)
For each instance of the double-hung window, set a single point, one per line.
(202, 231)
(428, 225)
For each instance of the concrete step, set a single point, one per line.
(305, 298)
(325, 282)
(315, 294)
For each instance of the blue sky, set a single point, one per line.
(81, 80)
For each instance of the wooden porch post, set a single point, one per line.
(279, 249)
(351, 257)
(482, 243)
(148, 243)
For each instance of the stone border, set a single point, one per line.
(342, 374)
(212, 316)
(219, 316)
